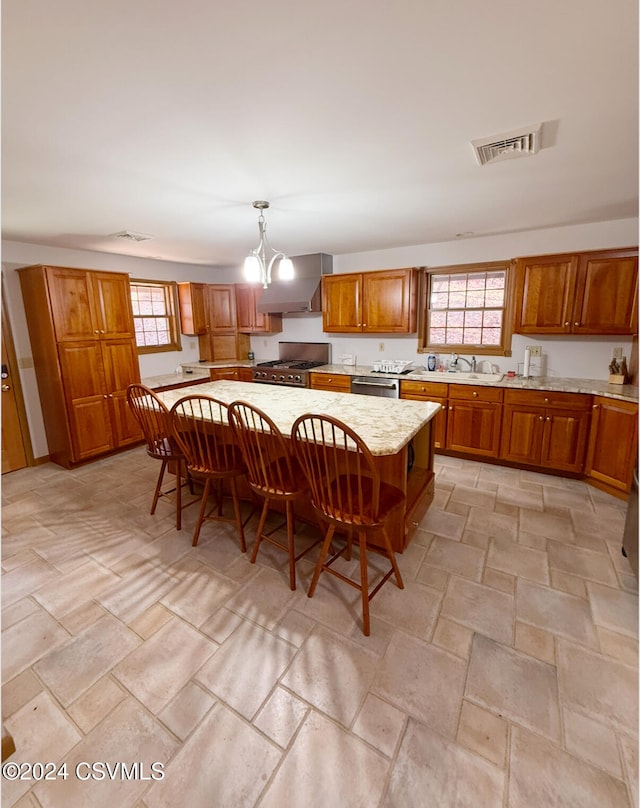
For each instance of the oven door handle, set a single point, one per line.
(389, 386)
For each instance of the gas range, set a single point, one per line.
(293, 366)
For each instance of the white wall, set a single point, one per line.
(577, 357)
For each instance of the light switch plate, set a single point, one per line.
(535, 350)
(617, 353)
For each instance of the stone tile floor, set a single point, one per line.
(504, 674)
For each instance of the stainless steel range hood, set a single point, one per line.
(303, 293)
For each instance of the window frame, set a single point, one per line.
(170, 291)
(501, 349)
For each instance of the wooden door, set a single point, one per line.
(473, 427)
(613, 442)
(86, 397)
(14, 450)
(388, 302)
(72, 304)
(606, 294)
(564, 440)
(544, 294)
(342, 303)
(246, 313)
(221, 308)
(120, 360)
(113, 304)
(522, 428)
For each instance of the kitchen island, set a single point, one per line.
(397, 432)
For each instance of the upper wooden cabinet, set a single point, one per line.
(581, 293)
(250, 320)
(382, 302)
(89, 305)
(193, 321)
(220, 308)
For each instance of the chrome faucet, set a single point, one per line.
(472, 364)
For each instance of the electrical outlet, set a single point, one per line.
(192, 345)
(535, 350)
(617, 353)
(381, 346)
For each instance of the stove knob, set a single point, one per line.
(281, 378)
(297, 378)
(291, 377)
(274, 377)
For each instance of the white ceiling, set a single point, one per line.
(352, 117)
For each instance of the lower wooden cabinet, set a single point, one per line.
(234, 374)
(613, 442)
(542, 428)
(473, 420)
(337, 382)
(430, 391)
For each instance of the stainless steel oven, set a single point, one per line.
(368, 386)
(295, 361)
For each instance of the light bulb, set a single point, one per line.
(252, 269)
(285, 270)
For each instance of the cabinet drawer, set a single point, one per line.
(331, 381)
(547, 398)
(466, 392)
(426, 389)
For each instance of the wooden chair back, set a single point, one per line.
(271, 467)
(343, 480)
(153, 416)
(200, 427)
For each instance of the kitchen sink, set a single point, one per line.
(461, 376)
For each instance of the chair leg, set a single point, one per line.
(321, 559)
(392, 559)
(263, 519)
(364, 583)
(290, 544)
(236, 508)
(179, 495)
(203, 508)
(156, 493)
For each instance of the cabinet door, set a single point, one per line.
(191, 299)
(249, 319)
(112, 297)
(474, 427)
(613, 442)
(389, 302)
(544, 294)
(86, 398)
(72, 304)
(564, 440)
(120, 360)
(606, 294)
(522, 429)
(338, 383)
(221, 308)
(342, 303)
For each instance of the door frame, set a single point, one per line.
(7, 336)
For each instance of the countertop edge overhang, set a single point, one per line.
(385, 425)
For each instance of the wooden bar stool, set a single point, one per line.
(346, 492)
(153, 416)
(272, 473)
(200, 427)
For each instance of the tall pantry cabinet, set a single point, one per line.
(84, 350)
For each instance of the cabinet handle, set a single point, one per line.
(548, 418)
(596, 407)
(567, 323)
(540, 418)
(474, 394)
(576, 323)
(546, 401)
(96, 331)
(450, 407)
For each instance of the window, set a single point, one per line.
(467, 309)
(154, 316)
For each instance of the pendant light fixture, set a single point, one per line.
(259, 263)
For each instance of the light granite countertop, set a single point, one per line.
(385, 425)
(596, 387)
(166, 379)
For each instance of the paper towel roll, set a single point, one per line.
(527, 362)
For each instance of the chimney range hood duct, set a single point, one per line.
(303, 293)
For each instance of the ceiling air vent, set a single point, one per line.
(520, 143)
(127, 235)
